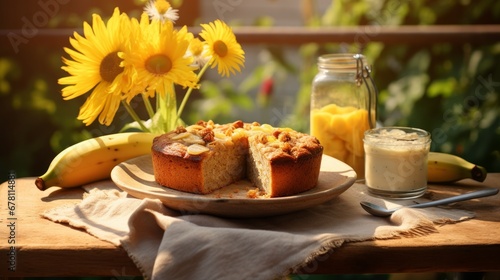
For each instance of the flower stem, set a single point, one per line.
(147, 103)
(167, 108)
(188, 92)
(134, 115)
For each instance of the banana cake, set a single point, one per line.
(204, 157)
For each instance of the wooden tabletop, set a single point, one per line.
(35, 246)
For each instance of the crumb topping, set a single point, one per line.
(238, 124)
(274, 142)
(180, 129)
(207, 134)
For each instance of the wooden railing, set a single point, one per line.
(287, 35)
(363, 34)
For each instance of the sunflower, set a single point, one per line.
(226, 52)
(161, 10)
(159, 59)
(96, 65)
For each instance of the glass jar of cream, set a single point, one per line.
(396, 161)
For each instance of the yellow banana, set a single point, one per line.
(93, 159)
(447, 168)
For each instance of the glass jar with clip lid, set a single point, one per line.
(343, 107)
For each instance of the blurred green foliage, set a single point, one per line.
(449, 89)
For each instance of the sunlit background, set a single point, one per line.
(448, 88)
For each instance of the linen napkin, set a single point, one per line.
(165, 244)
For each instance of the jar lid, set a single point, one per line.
(346, 62)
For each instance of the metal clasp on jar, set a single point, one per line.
(362, 74)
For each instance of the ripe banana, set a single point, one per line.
(447, 168)
(93, 159)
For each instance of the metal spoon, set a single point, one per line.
(379, 211)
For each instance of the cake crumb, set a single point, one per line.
(253, 193)
(180, 129)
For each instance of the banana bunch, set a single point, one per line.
(447, 168)
(93, 159)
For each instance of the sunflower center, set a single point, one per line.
(158, 64)
(220, 48)
(110, 67)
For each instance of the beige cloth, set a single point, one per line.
(167, 245)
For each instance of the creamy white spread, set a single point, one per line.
(396, 160)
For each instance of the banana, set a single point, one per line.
(93, 159)
(447, 168)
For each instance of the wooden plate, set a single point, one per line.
(135, 177)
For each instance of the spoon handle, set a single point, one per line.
(462, 197)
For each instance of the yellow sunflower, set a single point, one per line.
(96, 65)
(159, 58)
(226, 52)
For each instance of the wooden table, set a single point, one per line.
(45, 248)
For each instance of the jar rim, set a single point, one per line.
(374, 136)
(340, 61)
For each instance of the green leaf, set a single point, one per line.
(442, 87)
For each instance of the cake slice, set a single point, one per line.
(200, 158)
(283, 162)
